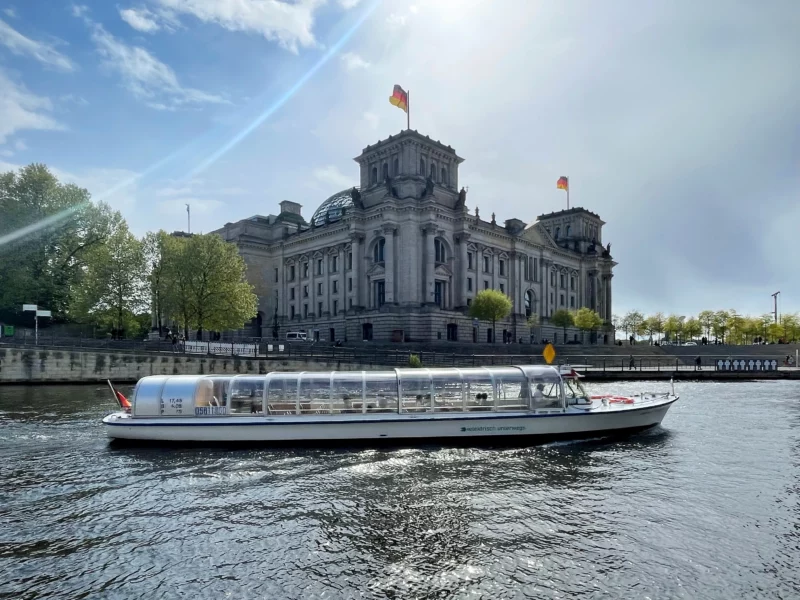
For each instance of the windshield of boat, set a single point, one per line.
(574, 389)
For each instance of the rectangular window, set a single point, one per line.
(438, 293)
(305, 310)
(535, 270)
(349, 260)
(350, 302)
(334, 264)
(572, 283)
(469, 284)
(276, 275)
(319, 288)
(572, 301)
(305, 291)
(486, 285)
(305, 270)
(485, 264)
(291, 311)
(291, 293)
(335, 307)
(319, 266)
(335, 286)
(563, 281)
(525, 268)
(502, 288)
(319, 309)
(380, 293)
(291, 273)
(469, 301)
(562, 300)
(469, 260)
(350, 284)
(552, 278)
(502, 267)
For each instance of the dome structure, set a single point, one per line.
(333, 208)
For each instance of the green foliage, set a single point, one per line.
(562, 318)
(203, 283)
(47, 231)
(414, 362)
(692, 328)
(633, 322)
(587, 319)
(490, 305)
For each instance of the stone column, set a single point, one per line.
(608, 297)
(463, 239)
(342, 280)
(355, 273)
(494, 271)
(430, 263)
(388, 255)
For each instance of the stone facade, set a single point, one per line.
(401, 258)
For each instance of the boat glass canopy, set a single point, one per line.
(412, 391)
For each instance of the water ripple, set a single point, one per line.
(705, 507)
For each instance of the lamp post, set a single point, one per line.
(37, 313)
(775, 299)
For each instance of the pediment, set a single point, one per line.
(442, 270)
(376, 270)
(536, 234)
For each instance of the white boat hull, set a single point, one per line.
(574, 423)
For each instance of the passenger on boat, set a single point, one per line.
(538, 393)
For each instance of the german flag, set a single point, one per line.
(399, 98)
(563, 183)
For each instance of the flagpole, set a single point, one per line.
(408, 110)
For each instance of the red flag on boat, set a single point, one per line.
(123, 401)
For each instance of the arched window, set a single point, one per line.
(441, 253)
(422, 166)
(386, 170)
(396, 167)
(380, 246)
(528, 303)
(558, 232)
(374, 175)
(433, 171)
(444, 176)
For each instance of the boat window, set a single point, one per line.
(380, 392)
(573, 389)
(446, 390)
(415, 390)
(282, 393)
(512, 390)
(479, 389)
(546, 394)
(347, 389)
(221, 387)
(315, 393)
(247, 395)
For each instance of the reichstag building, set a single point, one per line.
(401, 257)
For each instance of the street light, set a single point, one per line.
(38, 313)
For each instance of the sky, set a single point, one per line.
(678, 122)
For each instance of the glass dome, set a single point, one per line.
(333, 208)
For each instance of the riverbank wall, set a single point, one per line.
(55, 366)
(42, 366)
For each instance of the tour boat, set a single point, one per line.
(519, 403)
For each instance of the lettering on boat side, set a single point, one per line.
(210, 411)
(489, 428)
(172, 406)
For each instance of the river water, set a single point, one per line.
(706, 506)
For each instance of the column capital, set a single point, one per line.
(357, 236)
(428, 228)
(388, 229)
(463, 238)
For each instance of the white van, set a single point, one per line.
(296, 336)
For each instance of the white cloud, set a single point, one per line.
(353, 61)
(20, 145)
(140, 19)
(10, 12)
(396, 20)
(333, 177)
(290, 24)
(171, 191)
(147, 77)
(79, 10)
(348, 4)
(23, 46)
(7, 154)
(372, 120)
(21, 110)
(413, 9)
(79, 100)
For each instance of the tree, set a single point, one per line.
(633, 321)
(47, 230)
(114, 287)
(155, 248)
(586, 319)
(562, 318)
(490, 305)
(719, 326)
(791, 327)
(706, 317)
(672, 325)
(692, 328)
(205, 285)
(655, 324)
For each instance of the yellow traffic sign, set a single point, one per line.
(549, 353)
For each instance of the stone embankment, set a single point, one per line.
(18, 365)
